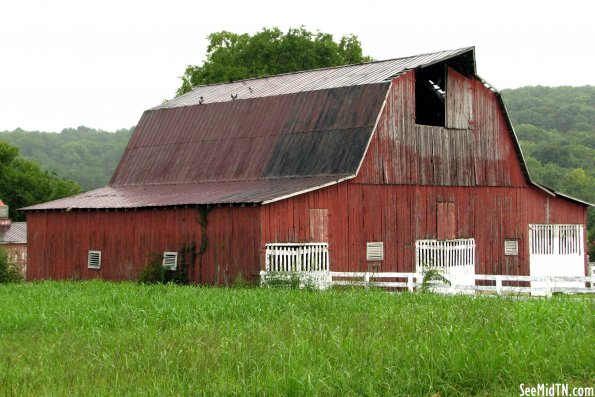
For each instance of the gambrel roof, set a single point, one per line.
(257, 140)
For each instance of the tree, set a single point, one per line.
(231, 56)
(24, 183)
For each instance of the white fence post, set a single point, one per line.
(499, 285)
(410, 282)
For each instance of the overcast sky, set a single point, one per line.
(66, 63)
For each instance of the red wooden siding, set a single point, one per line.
(459, 100)
(425, 182)
(398, 215)
(402, 152)
(318, 224)
(445, 221)
(59, 242)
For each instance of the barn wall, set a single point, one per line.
(59, 242)
(482, 154)
(17, 255)
(413, 174)
(398, 215)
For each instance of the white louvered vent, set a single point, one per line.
(170, 260)
(375, 251)
(511, 247)
(94, 260)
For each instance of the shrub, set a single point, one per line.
(153, 272)
(8, 273)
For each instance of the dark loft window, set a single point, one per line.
(430, 95)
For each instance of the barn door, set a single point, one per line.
(445, 221)
(318, 225)
(556, 250)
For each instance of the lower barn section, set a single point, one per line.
(351, 216)
(364, 228)
(59, 243)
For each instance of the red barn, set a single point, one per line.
(387, 165)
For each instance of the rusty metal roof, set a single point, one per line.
(312, 80)
(232, 192)
(16, 233)
(280, 136)
(306, 134)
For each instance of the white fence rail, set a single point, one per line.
(498, 284)
(547, 285)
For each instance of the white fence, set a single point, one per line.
(540, 285)
(498, 284)
(553, 239)
(445, 254)
(453, 257)
(556, 250)
(297, 257)
(308, 263)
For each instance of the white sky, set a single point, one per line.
(65, 63)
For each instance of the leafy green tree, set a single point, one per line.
(23, 182)
(231, 56)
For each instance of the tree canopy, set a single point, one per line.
(231, 56)
(23, 182)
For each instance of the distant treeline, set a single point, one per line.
(556, 127)
(85, 155)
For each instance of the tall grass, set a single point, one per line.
(97, 338)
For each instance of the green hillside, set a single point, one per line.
(85, 155)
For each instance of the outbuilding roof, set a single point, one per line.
(16, 233)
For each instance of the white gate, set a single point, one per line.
(556, 250)
(453, 258)
(309, 262)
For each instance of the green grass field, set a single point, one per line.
(104, 339)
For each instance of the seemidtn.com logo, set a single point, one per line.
(555, 390)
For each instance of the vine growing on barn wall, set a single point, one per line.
(187, 256)
(188, 253)
(203, 212)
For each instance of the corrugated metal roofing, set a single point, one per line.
(234, 192)
(305, 134)
(16, 233)
(319, 79)
(282, 135)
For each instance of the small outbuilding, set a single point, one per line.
(13, 239)
(387, 166)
